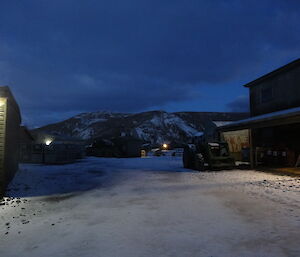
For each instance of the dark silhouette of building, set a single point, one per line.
(121, 147)
(50, 149)
(276, 91)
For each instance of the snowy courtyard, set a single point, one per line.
(148, 207)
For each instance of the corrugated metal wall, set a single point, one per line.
(2, 144)
(12, 140)
(10, 120)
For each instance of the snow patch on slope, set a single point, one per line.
(163, 127)
(155, 127)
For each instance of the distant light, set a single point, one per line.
(48, 142)
(165, 146)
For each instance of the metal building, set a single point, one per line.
(10, 120)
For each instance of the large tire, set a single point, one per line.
(188, 158)
(199, 162)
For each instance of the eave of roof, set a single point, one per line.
(284, 68)
(27, 132)
(282, 116)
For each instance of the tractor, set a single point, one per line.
(202, 155)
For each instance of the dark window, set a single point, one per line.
(267, 94)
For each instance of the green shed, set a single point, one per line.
(10, 120)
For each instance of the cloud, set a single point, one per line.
(240, 104)
(62, 57)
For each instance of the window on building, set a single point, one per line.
(267, 94)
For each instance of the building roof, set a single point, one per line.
(284, 68)
(221, 123)
(40, 138)
(25, 132)
(199, 134)
(283, 117)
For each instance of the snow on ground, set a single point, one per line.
(148, 207)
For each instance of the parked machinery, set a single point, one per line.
(203, 155)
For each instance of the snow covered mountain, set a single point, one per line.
(154, 127)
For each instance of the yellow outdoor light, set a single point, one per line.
(48, 141)
(165, 146)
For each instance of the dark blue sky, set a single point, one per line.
(63, 57)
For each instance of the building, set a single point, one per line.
(129, 146)
(119, 147)
(274, 125)
(276, 91)
(26, 140)
(50, 149)
(237, 140)
(10, 120)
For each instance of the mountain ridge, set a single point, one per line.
(154, 127)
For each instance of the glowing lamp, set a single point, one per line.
(165, 146)
(48, 142)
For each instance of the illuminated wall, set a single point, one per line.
(10, 120)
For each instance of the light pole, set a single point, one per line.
(47, 143)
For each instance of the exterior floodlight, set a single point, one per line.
(48, 142)
(165, 146)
